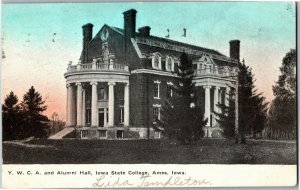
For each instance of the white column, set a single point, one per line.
(72, 103)
(207, 104)
(111, 105)
(79, 104)
(68, 111)
(83, 108)
(216, 98)
(220, 96)
(94, 111)
(216, 101)
(126, 105)
(227, 96)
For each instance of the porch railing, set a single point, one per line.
(97, 66)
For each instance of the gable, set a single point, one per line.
(106, 32)
(205, 59)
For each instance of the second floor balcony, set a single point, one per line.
(222, 72)
(97, 65)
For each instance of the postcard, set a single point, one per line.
(149, 94)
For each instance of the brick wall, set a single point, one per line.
(142, 97)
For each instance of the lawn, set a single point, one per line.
(206, 151)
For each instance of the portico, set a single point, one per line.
(213, 95)
(216, 90)
(96, 94)
(98, 100)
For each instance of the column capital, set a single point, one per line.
(217, 87)
(111, 83)
(207, 86)
(68, 85)
(94, 83)
(126, 83)
(78, 84)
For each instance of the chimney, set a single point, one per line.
(145, 31)
(234, 49)
(87, 31)
(129, 23)
(129, 29)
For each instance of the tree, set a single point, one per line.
(33, 106)
(55, 118)
(282, 114)
(226, 118)
(11, 116)
(252, 108)
(181, 118)
(259, 111)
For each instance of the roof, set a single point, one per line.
(149, 47)
(207, 50)
(120, 30)
(173, 42)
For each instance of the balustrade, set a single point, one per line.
(97, 66)
(217, 71)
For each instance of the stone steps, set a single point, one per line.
(62, 133)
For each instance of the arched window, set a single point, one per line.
(156, 61)
(169, 64)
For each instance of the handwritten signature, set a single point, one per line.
(148, 181)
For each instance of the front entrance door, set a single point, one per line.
(101, 117)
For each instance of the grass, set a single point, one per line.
(206, 151)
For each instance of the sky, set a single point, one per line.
(40, 39)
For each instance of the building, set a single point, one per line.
(117, 88)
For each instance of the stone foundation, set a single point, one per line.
(116, 133)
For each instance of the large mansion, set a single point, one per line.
(124, 75)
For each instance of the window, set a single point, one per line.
(102, 134)
(156, 61)
(120, 134)
(157, 134)
(156, 90)
(88, 116)
(107, 116)
(169, 64)
(121, 114)
(169, 90)
(156, 113)
(84, 133)
(192, 105)
(101, 94)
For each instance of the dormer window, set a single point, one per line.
(156, 61)
(169, 64)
